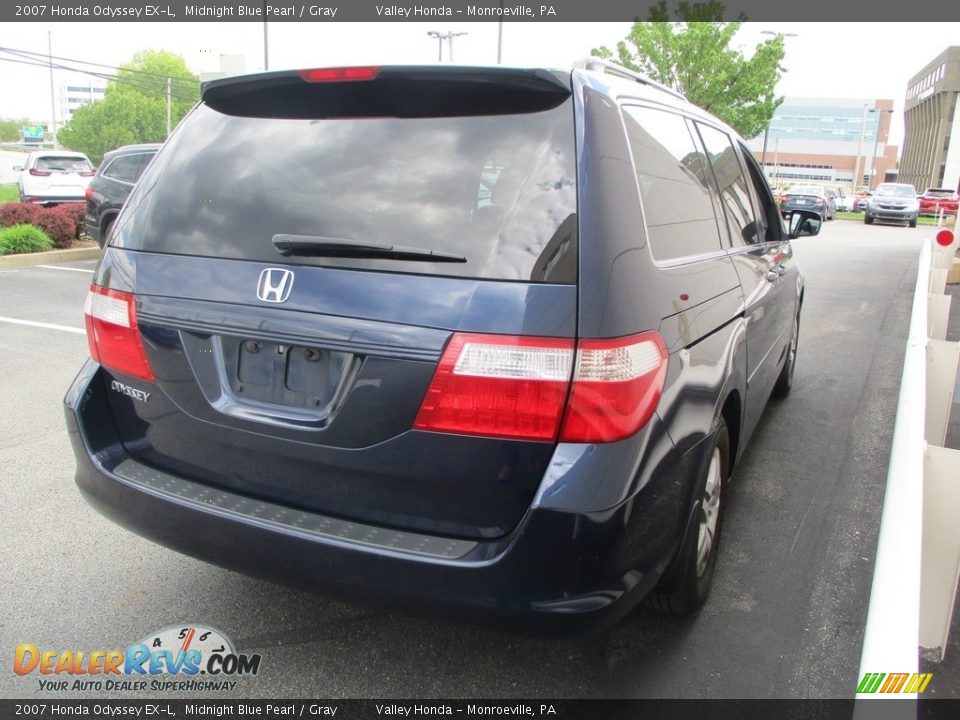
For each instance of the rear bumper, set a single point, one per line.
(558, 571)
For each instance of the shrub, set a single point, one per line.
(76, 213)
(23, 239)
(19, 213)
(60, 226)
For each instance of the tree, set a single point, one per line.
(134, 105)
(694, 56)
(11, 130)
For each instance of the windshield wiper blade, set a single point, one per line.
(317, 246)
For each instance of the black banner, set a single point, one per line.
(328, 11)
(879, 709)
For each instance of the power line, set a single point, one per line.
(45, 57)
(112, 78)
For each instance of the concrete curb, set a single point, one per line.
(9, 262)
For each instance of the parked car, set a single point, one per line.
(860, 203)
(410, 334)
(846, 203)
(108, 190)
(893, 202)
(935, 200)
(813, 198)
(51, 177)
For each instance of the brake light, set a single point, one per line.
(616, 387)
(521, 388)
(112, 332)
(88, 193)
(40, 173)
(343, 74)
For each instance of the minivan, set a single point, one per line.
(475, 341)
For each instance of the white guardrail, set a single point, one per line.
(918, 554)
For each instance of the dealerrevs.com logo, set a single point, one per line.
(186, 658)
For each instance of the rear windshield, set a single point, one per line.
(63, 164)
(940, 192)
(497, 190)
(806, 190)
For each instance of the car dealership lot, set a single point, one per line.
(791, 591)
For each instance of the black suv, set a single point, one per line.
(481, 339)
(109, 189)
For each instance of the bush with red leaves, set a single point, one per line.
(63, 223)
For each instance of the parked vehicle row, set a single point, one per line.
(479, 339)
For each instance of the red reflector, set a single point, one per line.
(112, 332)
(40, 173)
(344, 74)
(616, 387)
(499, 386)
(944, 238)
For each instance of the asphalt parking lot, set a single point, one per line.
(790, 597)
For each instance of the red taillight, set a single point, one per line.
(88, 193)
(113, 334)
(520, 388)
(343, 74)
(616, 387)
(40, 173)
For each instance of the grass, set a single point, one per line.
(9, 193)
(922, 220)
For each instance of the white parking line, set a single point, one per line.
(58, 267)
(49, 326)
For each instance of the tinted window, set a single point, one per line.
(499, 190)
(673, 183)
(734, 191)
(63, 164)
(124, 168)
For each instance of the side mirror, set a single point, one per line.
(18, 168)
(803, 223)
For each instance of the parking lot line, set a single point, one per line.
(70, 269)
(49, 326)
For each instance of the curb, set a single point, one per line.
(8, 262)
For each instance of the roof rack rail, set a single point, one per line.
(605, 66)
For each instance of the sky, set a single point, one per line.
(830, 60)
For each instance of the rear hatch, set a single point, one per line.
(60, 176)
(301, 255)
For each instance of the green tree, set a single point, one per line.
(694, 56)
(11, 130)
(134, 106)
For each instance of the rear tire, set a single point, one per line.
(700, 557)
(867, 220)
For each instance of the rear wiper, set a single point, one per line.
(315, 246)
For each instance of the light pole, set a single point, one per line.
(857, 176)
(763, 155)
(53, 102)
(448, 36)
(876, 143)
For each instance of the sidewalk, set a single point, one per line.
(10, 262)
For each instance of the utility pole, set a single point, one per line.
(168, 107)
(448, 36)
(500, 36)
(53, 101)
(266, 57)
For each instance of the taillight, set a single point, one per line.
(91, 173)
(113, 334)
(616, 387)
(520, 388)
(342, 74)
(88, 193)
(40, 173)
(498, 386)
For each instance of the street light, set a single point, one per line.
(857, 174)
(876, 143)
(448, 36)
(766, 132)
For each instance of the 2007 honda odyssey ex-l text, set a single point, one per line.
(481, 340)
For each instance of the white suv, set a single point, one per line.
(55, 176)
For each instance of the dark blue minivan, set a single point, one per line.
(481, 340)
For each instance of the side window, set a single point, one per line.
(672, 175)
(734, 190)
(144, 162)
(124, 168)
(766, 206)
